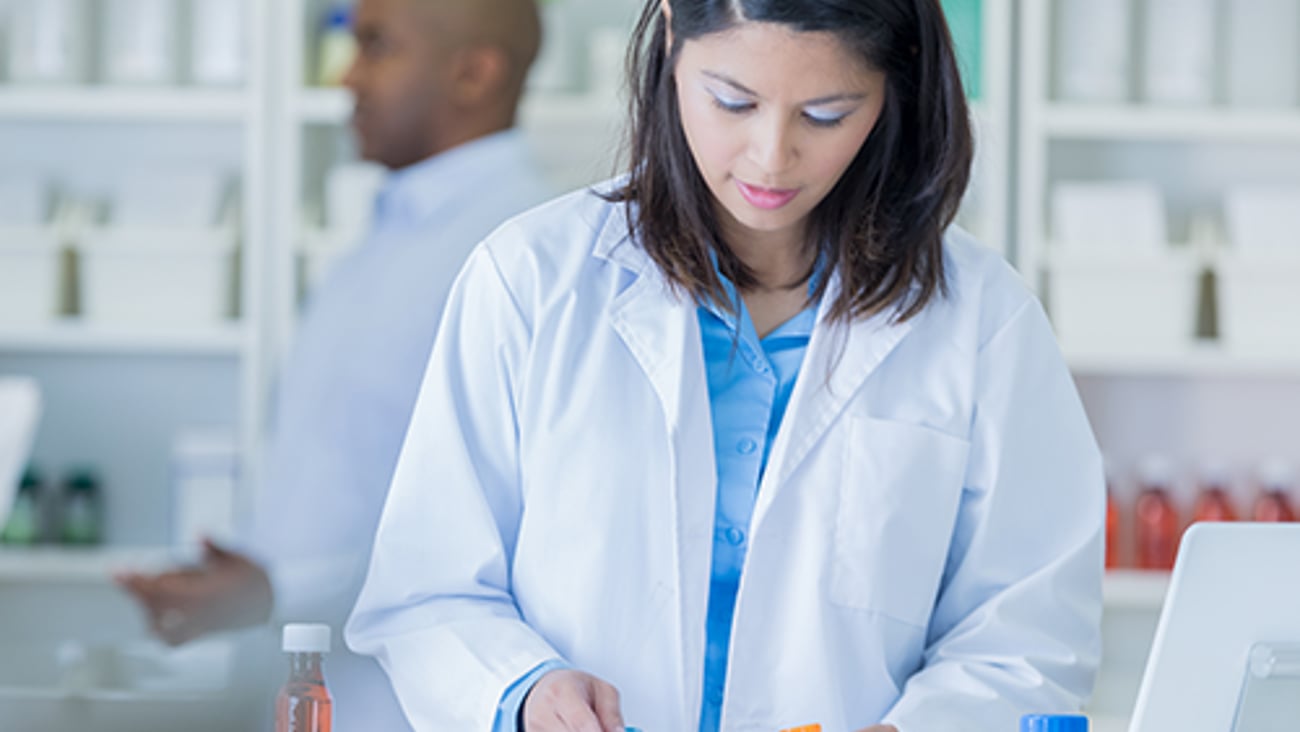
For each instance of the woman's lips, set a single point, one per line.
(768, 199)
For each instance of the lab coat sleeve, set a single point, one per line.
(1016, 625)
(436, 609)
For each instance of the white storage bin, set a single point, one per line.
(1259, 303)
(144, 278)
(1124, 304)
(30, 279)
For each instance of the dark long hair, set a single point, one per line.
(882, 224)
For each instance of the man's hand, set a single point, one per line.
(226, 591)
(571, 701)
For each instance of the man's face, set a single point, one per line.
(399, 81)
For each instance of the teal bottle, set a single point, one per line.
(82, 514)
(24, 525)
(1053, 723)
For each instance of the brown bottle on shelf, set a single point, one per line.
(1156, 524)
(304, 703)
(1276, 480)
(1214, 502)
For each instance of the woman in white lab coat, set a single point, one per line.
(753, 439)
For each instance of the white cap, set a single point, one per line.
(306, 638)
(1155, 470)
(1276, 474)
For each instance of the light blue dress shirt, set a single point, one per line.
(346, 393)
(750, 383)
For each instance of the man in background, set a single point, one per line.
(437, 84)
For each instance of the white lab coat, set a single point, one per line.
(926, 548)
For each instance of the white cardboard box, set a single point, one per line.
(1124, 304)
(1259, 303)
(157, 278)
(29, 276)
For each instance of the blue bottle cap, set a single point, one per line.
(1053, 723)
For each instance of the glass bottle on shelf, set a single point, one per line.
(338, 48)
(1214, 502)
(24, 525)
(1276, 481)
(82, 510)
(304, 703)
(1156, 523)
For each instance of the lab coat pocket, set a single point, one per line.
(898, 500)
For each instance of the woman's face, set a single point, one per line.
(774, 117)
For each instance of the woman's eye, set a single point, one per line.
(823, 119)
(732, 105)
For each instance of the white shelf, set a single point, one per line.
(1197, 360)
(1162, 124)
(98, 104)
(322, 106)
(68, 564)
(80, 338)
(1135, 589)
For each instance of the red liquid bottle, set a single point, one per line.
(1112, 532)
(304, 703)
(1276, 479)
(1214, 503)
(1156, 523)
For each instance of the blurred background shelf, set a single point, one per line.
(1208, 360)
(58, 564)
(1135, 589)
(1188, 124)
(83, 339)
(108, 104)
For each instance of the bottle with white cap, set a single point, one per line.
(1276, 480)
(304, 703)
(1053, 723)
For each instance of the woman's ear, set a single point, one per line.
(667, 10)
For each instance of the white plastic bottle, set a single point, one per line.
(1094, 59)
(1178, 51)
(337, 48)
(218, 42)
(139, 41)
(48, 41)
(1263, 60)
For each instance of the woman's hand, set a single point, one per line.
(571, 701)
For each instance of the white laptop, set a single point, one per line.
(1230, 622)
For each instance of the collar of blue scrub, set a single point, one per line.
(419, 191)
(733, 316)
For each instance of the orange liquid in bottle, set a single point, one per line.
(1274, 506)
(304, 703)
(1214, 505)
(1112, 533)
(1157, 530)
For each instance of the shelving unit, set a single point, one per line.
(1199, 400)
(160, 380)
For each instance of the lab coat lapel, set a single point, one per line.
(839, 360)
(662, 332)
